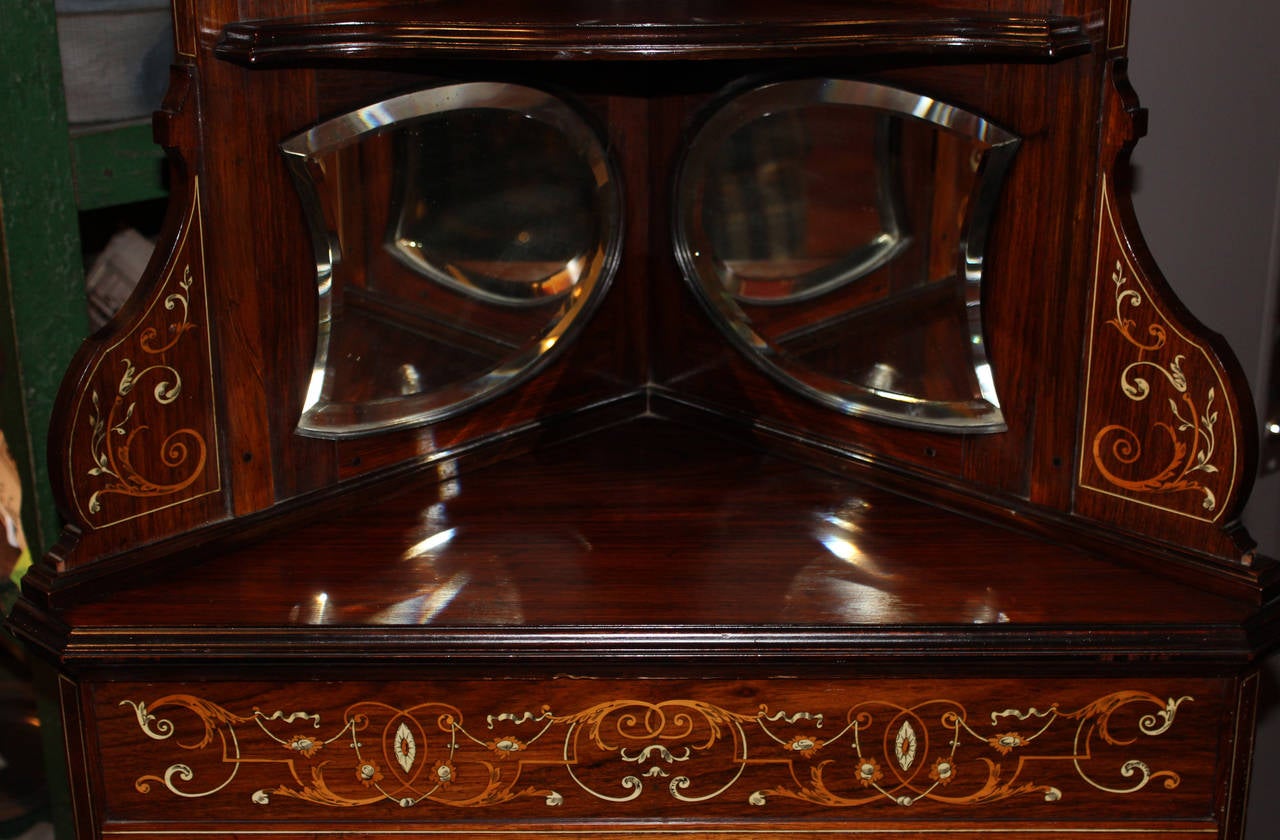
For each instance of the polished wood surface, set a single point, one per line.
(668, 564)
(649, 523)
(1044, 295)
(765, 756)
(704, 29)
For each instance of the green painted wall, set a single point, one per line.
(41, 273)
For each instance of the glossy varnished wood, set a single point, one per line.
(649, 334)
(667, 564)
(651, 539)
(754, 755)
(622, 30)
(1189, 465)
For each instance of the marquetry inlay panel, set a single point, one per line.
(756, 750)
(1158, 428)
(144, 436)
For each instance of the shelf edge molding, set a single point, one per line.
(445, 30)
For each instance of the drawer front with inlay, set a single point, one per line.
(767, 756)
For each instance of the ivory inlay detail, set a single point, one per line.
(145, 431)
(1162, 445)
(116, 428)
(1190, 425)
(688, 751)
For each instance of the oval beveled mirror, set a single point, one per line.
(834, 229)
(461, 234)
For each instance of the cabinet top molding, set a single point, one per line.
(703, 29)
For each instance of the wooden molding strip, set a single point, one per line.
(629, 31)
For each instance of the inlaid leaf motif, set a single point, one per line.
(405, 748)
(905, 745)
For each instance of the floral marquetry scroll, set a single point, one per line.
(1158, 429)
(1165, 443)
(144, 436)
(674, 754)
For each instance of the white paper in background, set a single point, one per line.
(115, 274)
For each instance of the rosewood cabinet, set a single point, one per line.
(672, 419)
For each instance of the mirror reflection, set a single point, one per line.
(835, 229)
(461, 234)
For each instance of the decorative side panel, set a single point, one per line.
(639, 750)
(144, 434)
(1158, 429)
(1165, 443)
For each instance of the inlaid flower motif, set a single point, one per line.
(505, 747)
(305, 744)
(1006, 742)
(368, 774)
(944, 770)
(869, 772)
(444, 773)
(805, 746)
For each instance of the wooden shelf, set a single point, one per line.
(686, 30)
(116, 163)
(649, 539)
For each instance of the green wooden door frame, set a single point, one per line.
(42, 311)
(41, 273)
(43, 316)
(116, 164)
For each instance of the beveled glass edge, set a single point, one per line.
(979, 415)
(400, 412)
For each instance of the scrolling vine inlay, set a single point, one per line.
(145, 436)
(688, 751)
(1160, 444)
